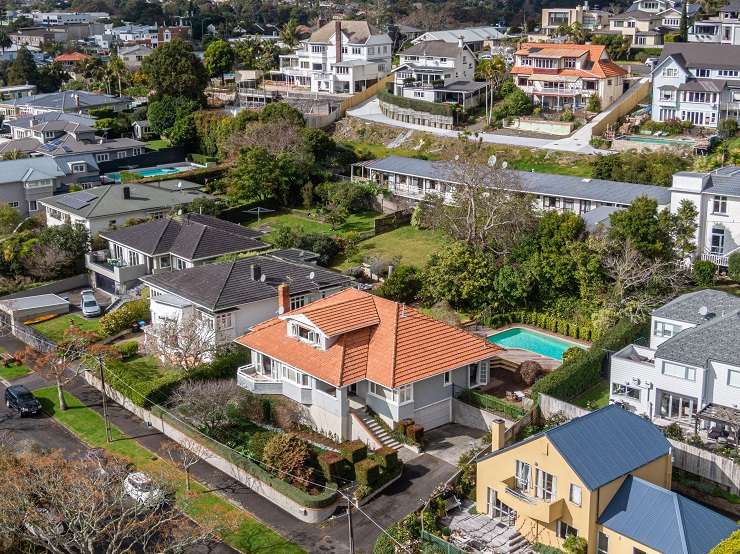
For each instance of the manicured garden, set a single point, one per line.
(360, 222)
(207, 508)
(158, 144)
(54, 328)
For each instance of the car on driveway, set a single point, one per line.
(20, 399)
(89, 304)
(141, 488)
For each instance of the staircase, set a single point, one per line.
(377, 432)
(518, 545)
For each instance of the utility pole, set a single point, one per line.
(105, 400)
(349, 525)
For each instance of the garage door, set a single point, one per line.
(433, 415)
(105, 283)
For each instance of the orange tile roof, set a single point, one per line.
(603, 66)
(71, 57)
(388, 343)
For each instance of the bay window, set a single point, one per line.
(402, 395)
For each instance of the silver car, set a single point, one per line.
(88, 304)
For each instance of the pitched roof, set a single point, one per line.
(663, 520)
(717, 340)
(69, 144)
(71, 57)
(469, 34)
(686, 307)
(196, 237)
(358, 32)
(28, 169)
(603, 445)
(377, 339)
(601, 64)
(434, 48)
(67, 100)
(37, 121)
(703, 54)
(225, 285)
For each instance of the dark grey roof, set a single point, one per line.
(604, 445)
(195, 238)
(68, 100)
(465, 86)
(731, 6)
(686, 307)
(48, 117)
(68, 144)
(704, 54)
(701, 85)
(547, 184)
(225, 285)
(635, 14)
(296, 255)
(724, 181)
(433, 48)
(107, 200)
(663, 520)
(716, 339)
(598, 216)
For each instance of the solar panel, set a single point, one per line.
(77, 200)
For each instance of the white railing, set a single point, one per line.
(721, 260)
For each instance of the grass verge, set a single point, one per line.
(54, 328)
(236, 528)
(14, 371)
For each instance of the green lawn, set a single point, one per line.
(235, 527)
(14, 371)
(595, 397)
(54, 328)
(145, 368)
(413, 246)
(360, 222)
(158, 144)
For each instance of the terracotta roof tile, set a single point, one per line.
(355, 314)
(603, 66)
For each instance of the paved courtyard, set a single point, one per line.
(450, 441)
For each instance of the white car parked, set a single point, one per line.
(140, 487)
(89, 304)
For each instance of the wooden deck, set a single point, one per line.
(514, 357)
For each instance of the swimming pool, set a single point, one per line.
(153, 172)
(657, 140)
(527, 339)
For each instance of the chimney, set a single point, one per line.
(255, 271)
(338, 39)
(127, 193)
(460, 42)
(498, 434)
(283, 298)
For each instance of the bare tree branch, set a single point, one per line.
(183, 343)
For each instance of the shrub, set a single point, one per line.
(331, 465)
(402, 425)
(733, 267)
(125, 316)
(257, 443)
(567, 116)
(572, 353)
(353, 451)
(367, 472)
(403, 285)
(415, 432)
(417, 105)
(128, 349)
(703, 273)
(529, 371)
(387, 458)
(695, 440)
(594, 103)
(727, 128)
(575, 545)
(289, 458)
(674, 431)
(731, 545)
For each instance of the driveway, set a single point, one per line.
(450, 441)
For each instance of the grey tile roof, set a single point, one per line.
(296, 255)
(537, 183)
(603, 445)
(68, 144)
(25, 145)
(469, 34)
(108, 199)
(48, 117)
(718, 339)
(433, 48)
(731, 6)
(704, 54)
(68, 100)
(196, 237)
(725, 181)
(663, 520)
(598, 216)
(225, 285)
(635, 14)
(28, 169)
(686, 307)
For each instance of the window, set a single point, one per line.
(568, 205)
(133, 258)
(164, 262)
(104, 157)
(356, 50)
(625, 390)
(317, 49)
(670, 72)
(447, 378)
(523, 475)
(121, 154)
(180, 264)
(702, 73)
(575, 494)
(719, 205)
(418, 94)
(569, 63)
(733, 377)
(679, 371)
(667, 94)
(665, 330)
(545, 488)
(13, 204)
(292, 374)
(401, 395)
(638, 551)
(224, 321)
(405, 394)
(718, 241)
(602, 545)
(341, 70)
(78, 168)
(565, 530)
(297, 302)
(305, 334)
(728, 72)
(32, 206)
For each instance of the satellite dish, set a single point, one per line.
(504, 165)
(311, 276)
(281, 310)
(703, 311)
(492, 160)
(263, 278)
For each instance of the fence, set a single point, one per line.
(391, 221)
(706, 464)
(549, 406)
(488, 402)
(31, 337)
(621, 107)
(441, 544)
(360, 97)
(155, 157)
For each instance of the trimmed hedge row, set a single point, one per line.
(542, 320)
(578, 374)
(125, 316)
(417, 105)
(491, 403)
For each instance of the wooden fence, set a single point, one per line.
(360, 97)
(706, 464)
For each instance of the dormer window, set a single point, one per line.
(297, 302)
(306, 334)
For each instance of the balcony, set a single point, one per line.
(118, 270)
(248, 378)
(530, 506)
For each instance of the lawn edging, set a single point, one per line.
(324, 505)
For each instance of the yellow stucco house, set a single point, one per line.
(606, 477)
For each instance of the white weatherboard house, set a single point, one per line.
(723, 29)
(691, 368)
(698, 83)
(340, 57)
(354, 351)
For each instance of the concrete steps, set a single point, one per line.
(379, 432)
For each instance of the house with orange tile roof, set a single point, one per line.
(70, 59)
(559, 76)
(353, 351)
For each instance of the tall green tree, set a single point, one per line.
(174, 70)
(219, 58)
(642, 225)
(683, 29)
(5, 41)
(493, 72)
(23, 69)
(289, 33)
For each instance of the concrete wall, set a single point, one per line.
(407, 115)
(562, 128)
(624, 104)
(75, 282)
(549, 406)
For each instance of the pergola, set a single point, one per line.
(724, 416)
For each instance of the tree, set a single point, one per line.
(23, 70)
(575, 545)
(185, 455)
(529, 371)
(493, 72)
(173, 70)
(731, 545)
(117, 70)
(51, 77)
(5, 41)
(52, 504)
(616, 45)
(206, 404)
(594, 103)
(9, 219)
(172, 117)
(403, 285)
(282, 111)
(289, 33)
(289, 458)
(487, 208)
(703, 273)
(219, 58)
(683, 28)
(185, 343)
(733, 267)
(259, 175)
(641, 225)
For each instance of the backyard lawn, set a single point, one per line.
(207, 508)
(413, 246)
(594, 398)
(360, 222)
(158, 144)
(54, 328)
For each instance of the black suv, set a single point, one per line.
(20, 399)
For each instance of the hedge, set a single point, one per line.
(128, 349)
(579, 374)
(367, 472)
(125, 316)
(491, 403)
(331, 465)
(542, 320)
(417, 105)
(353, 451)
(386, 457)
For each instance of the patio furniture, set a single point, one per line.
(451, 503)
(519, 395)
(510, 396)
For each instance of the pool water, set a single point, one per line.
(526, 339)
(158, 171)
(657, 140)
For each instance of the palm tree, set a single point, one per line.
(289, 33)
(493, 72)
(116, 69)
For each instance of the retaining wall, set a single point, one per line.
(560, 128)
(309, 515)
(74, 282)
(414, 117)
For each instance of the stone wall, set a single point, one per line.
(414, 117)
(560, 128)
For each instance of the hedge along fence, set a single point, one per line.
(200, 175)
(491, 403)
(542, 320)
(582, 372)
(417, 105)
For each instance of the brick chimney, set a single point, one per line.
(498, 434)
(338, 39)
(283, 293)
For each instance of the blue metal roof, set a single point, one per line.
(663, 520)
(608, 443)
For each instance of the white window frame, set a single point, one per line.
(398, 396)
(733, 378)
(689, 373)
(548, 495)
(719, 205)
(224, 321)
(670, 72)
(312, 337)
(665, 330)
(13, 204)
(297, 301)
(618, 389)
(180, 264)
(523, 475)
(102, 157)
(33, 206)
(447, 378)
(575, 495)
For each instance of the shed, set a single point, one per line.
(23, 309)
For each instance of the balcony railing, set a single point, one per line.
(248, 378)
(534, 507)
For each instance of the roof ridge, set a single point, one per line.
(395, 343)
(200, 236)
(223, 285)
(161, 234)
(681, 523)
